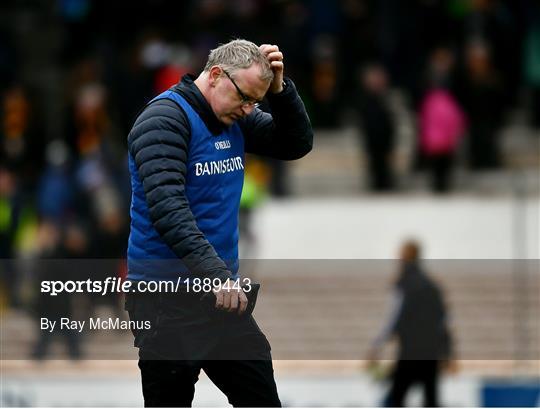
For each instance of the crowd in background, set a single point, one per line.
(76, 72)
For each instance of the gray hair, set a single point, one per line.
(239, 54)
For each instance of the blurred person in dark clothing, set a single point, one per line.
(109, 239)
(481, 95)
(97, 173)
(324, 105)
(357, 39)
(131, 85)
(293, 18)
(378, 127)
(419, 322)
(21, 147)
(58, 243)
(499, 23)
(440, 71)
(111, 234)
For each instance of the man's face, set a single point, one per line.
(235, 94)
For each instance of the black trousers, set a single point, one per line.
(183, 339)
(172, 383)
(381, 177)
(408, 373)
(441, 168)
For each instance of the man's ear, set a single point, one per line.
(214, 75)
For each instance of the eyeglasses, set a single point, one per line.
(246, 101)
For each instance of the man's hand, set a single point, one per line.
(276, 62)
(230, 299)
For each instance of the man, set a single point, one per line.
(186, 159)
(419, 322)
(378, 127)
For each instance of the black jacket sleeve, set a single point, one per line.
(285, 133)
(158, 142)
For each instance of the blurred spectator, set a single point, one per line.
(56, 182)
(441, 127)
(481, 93)
(94, 180)
(111, 234)
(132, 85)
(419, 322)
(293, 18)
(21, 147)
(440, 70)
(10, 208)
(441, 121)
(495, 22)
(378, 127)
(357, 39)
(109, 241)
(91, 120)
(58, 243)
(97, 170)
(175, 68)
(21, 153)
(325, 104)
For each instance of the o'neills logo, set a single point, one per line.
(220, 166)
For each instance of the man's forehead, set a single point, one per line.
(251, 82)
